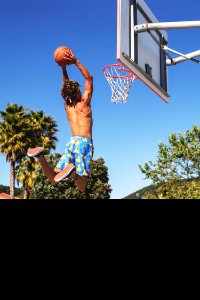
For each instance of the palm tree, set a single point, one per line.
(44, 130)
(26, 173)
(43, 133)
(14, 138)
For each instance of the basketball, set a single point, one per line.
(61, 56)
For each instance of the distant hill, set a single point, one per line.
(149, 189)
(140, 193)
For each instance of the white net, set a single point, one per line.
(120, 80)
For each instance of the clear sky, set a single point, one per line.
(125, 135)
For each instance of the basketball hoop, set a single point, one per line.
(120, 79)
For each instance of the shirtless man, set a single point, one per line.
(76, 159)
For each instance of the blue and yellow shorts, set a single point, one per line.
(78, 151)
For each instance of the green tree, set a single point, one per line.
(25, 174)
(14, 138)
(177, 169)
(21, 129)
(43, 130)
(98, 187)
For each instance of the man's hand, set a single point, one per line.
(70, 58)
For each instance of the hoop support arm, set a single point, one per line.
(182, 57)
(166, 25)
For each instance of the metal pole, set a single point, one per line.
(183, 58)
(166, 25)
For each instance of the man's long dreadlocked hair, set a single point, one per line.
(69, 91)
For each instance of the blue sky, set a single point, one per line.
(125, 135)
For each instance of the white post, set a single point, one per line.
(166, 25)
(182, 58)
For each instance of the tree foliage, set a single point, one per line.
(14, 138)
(98, 187)
(43, 130)
(43, 133)
(20, 129)
(25, 174)
(177, 169)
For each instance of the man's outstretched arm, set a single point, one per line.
(65, 74)
(88, 89)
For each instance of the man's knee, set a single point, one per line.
(80, 181)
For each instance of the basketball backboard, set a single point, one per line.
(141, 52)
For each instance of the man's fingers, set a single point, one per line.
(69, 57)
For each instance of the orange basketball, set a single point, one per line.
(61, 54)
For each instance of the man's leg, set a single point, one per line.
(47, 169)
(38, 153)
(83, 155)
(80, 181)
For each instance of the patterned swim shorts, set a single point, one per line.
(78, 151)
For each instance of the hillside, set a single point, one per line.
(149, 189)
(140, 193)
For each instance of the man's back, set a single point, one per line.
(79, 116)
